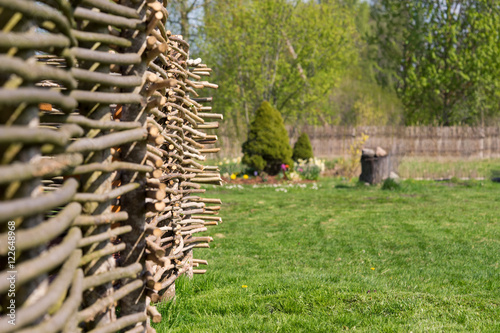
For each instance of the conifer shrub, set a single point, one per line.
(267, 147)
(302, 150)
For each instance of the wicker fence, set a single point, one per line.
(428, 141)
(101, 138)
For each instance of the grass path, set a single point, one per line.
(421, 259)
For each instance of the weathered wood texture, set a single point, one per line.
(101, 142)
(334, 141)
(375, 169)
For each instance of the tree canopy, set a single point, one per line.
(349, 62)
(290, 53)
(441, 56)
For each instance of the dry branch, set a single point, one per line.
(100, 219)
(44, 232)
(103, 303)
(68, 309)
(13, 98)
(115, 274)
(110, 167)
(84, 36)
(32, 268)
(104, 236)
(30, 206)
(107, 141)
(108, 249)
(46, 167)
(35, 73)
(121, 323)
(112, 8)
(85, 197)
(17, 134)
(54, 293)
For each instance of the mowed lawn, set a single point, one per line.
(336, 257)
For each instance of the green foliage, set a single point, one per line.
(349, 167)
(267, 145)
(227, 167)
(302, 148)
(255, 161)
(330, 164)
(310, 172)
(435, 261)
(360, 101)
(391, 185)
(309, 169)
(444, 58)
(292, 62)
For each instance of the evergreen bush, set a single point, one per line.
(267, 147)
(302, 150)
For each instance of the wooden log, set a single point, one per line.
(155, 315)
(375, 169)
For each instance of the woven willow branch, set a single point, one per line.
(102, 134)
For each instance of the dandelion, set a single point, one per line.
(233, 176)
(373, 268)
(244, 286)
(245, 176)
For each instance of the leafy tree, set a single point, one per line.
(185, 18)
(443, 57)
(290, 53)
(302, 149)
(359, 99)
(267, 145)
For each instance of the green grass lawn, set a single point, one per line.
(424, 258)
(434, 168)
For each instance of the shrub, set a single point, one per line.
(350, 166)
(267, 145)
(302, 149)
(310, 169)
(391, 184)
(228, 167)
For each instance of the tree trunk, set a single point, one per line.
(375, 169)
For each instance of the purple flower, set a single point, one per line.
(255, 173)
(283, 167)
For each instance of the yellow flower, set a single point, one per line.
(233, 176)
(245, 176)
(244, 286)
(373, 268)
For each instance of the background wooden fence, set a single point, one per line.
(428, 141)
(102, 134)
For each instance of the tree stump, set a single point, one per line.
(376, 165)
